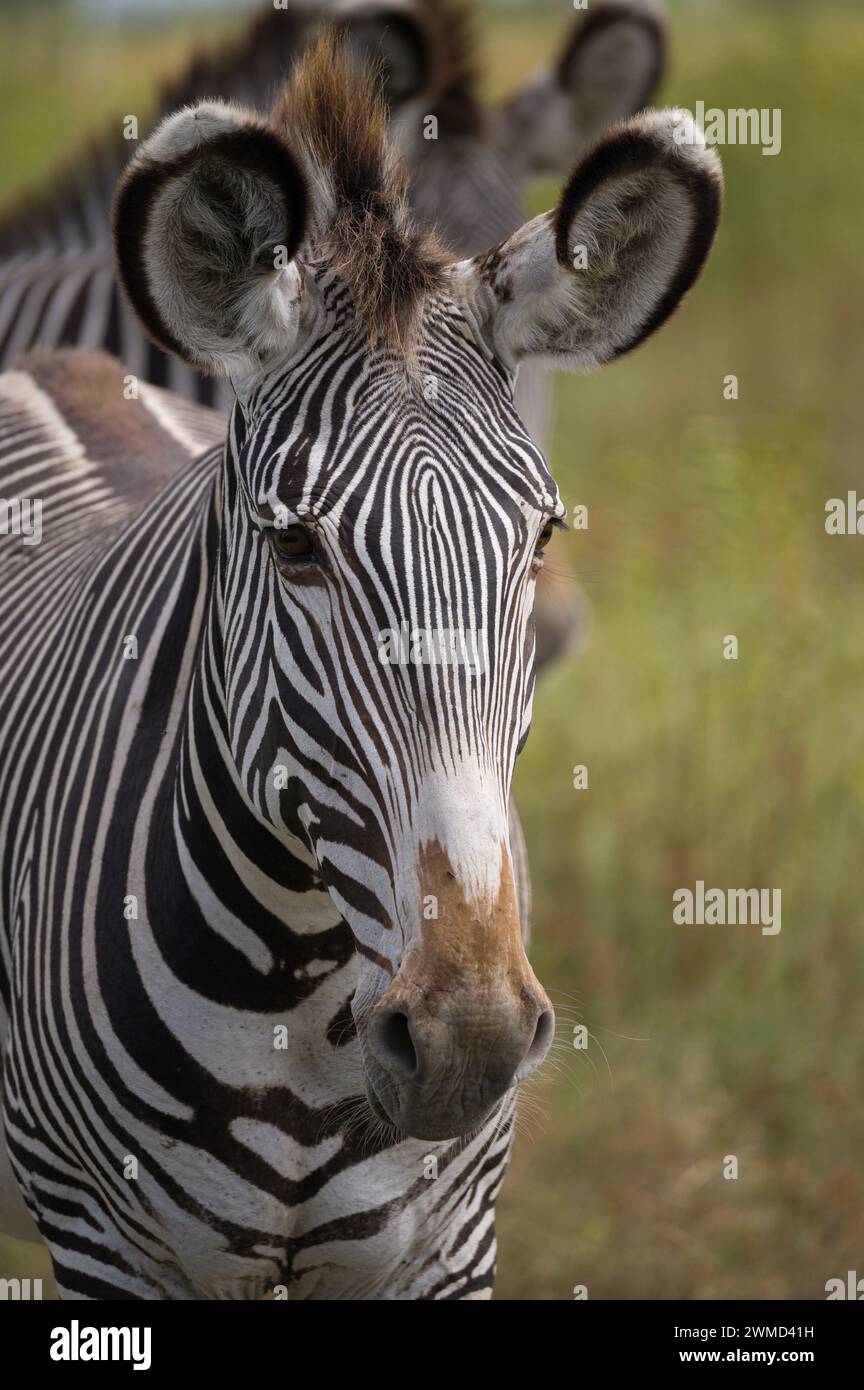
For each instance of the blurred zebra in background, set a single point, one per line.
(468, 164)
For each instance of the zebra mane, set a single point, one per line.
(337, 121)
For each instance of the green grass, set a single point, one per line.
(706, 518)
(63, 79)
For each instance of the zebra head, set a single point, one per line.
(383, 516)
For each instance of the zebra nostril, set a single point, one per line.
(543, 1035)
(392, 1042)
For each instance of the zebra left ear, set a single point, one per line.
(589, 281)
(208, 218)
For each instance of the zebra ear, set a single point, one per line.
(392, 35)
(208, 219)
(610, 68)
(591, 280)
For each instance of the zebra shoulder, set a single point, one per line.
(137, 435)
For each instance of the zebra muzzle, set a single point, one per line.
(464, 1019)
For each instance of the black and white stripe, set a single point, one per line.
(152, 777)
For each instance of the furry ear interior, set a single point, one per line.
(392, 36)
(609, 69)
(614, 61)
(208, 219)
(594, 278)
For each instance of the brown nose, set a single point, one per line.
(465, 1017)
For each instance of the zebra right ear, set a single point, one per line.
(208, 219)
(609, 69)
(594, 278)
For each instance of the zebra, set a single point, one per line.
(267, 1000)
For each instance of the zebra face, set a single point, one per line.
(383, 514)
(391, 529)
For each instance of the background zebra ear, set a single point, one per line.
(587, 282)
(610, 68)
(208, 219)
(392, 35)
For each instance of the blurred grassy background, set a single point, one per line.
(706, 518)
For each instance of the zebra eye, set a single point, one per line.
(545, 535)
(293, 543)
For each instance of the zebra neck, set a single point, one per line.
(242, 891)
